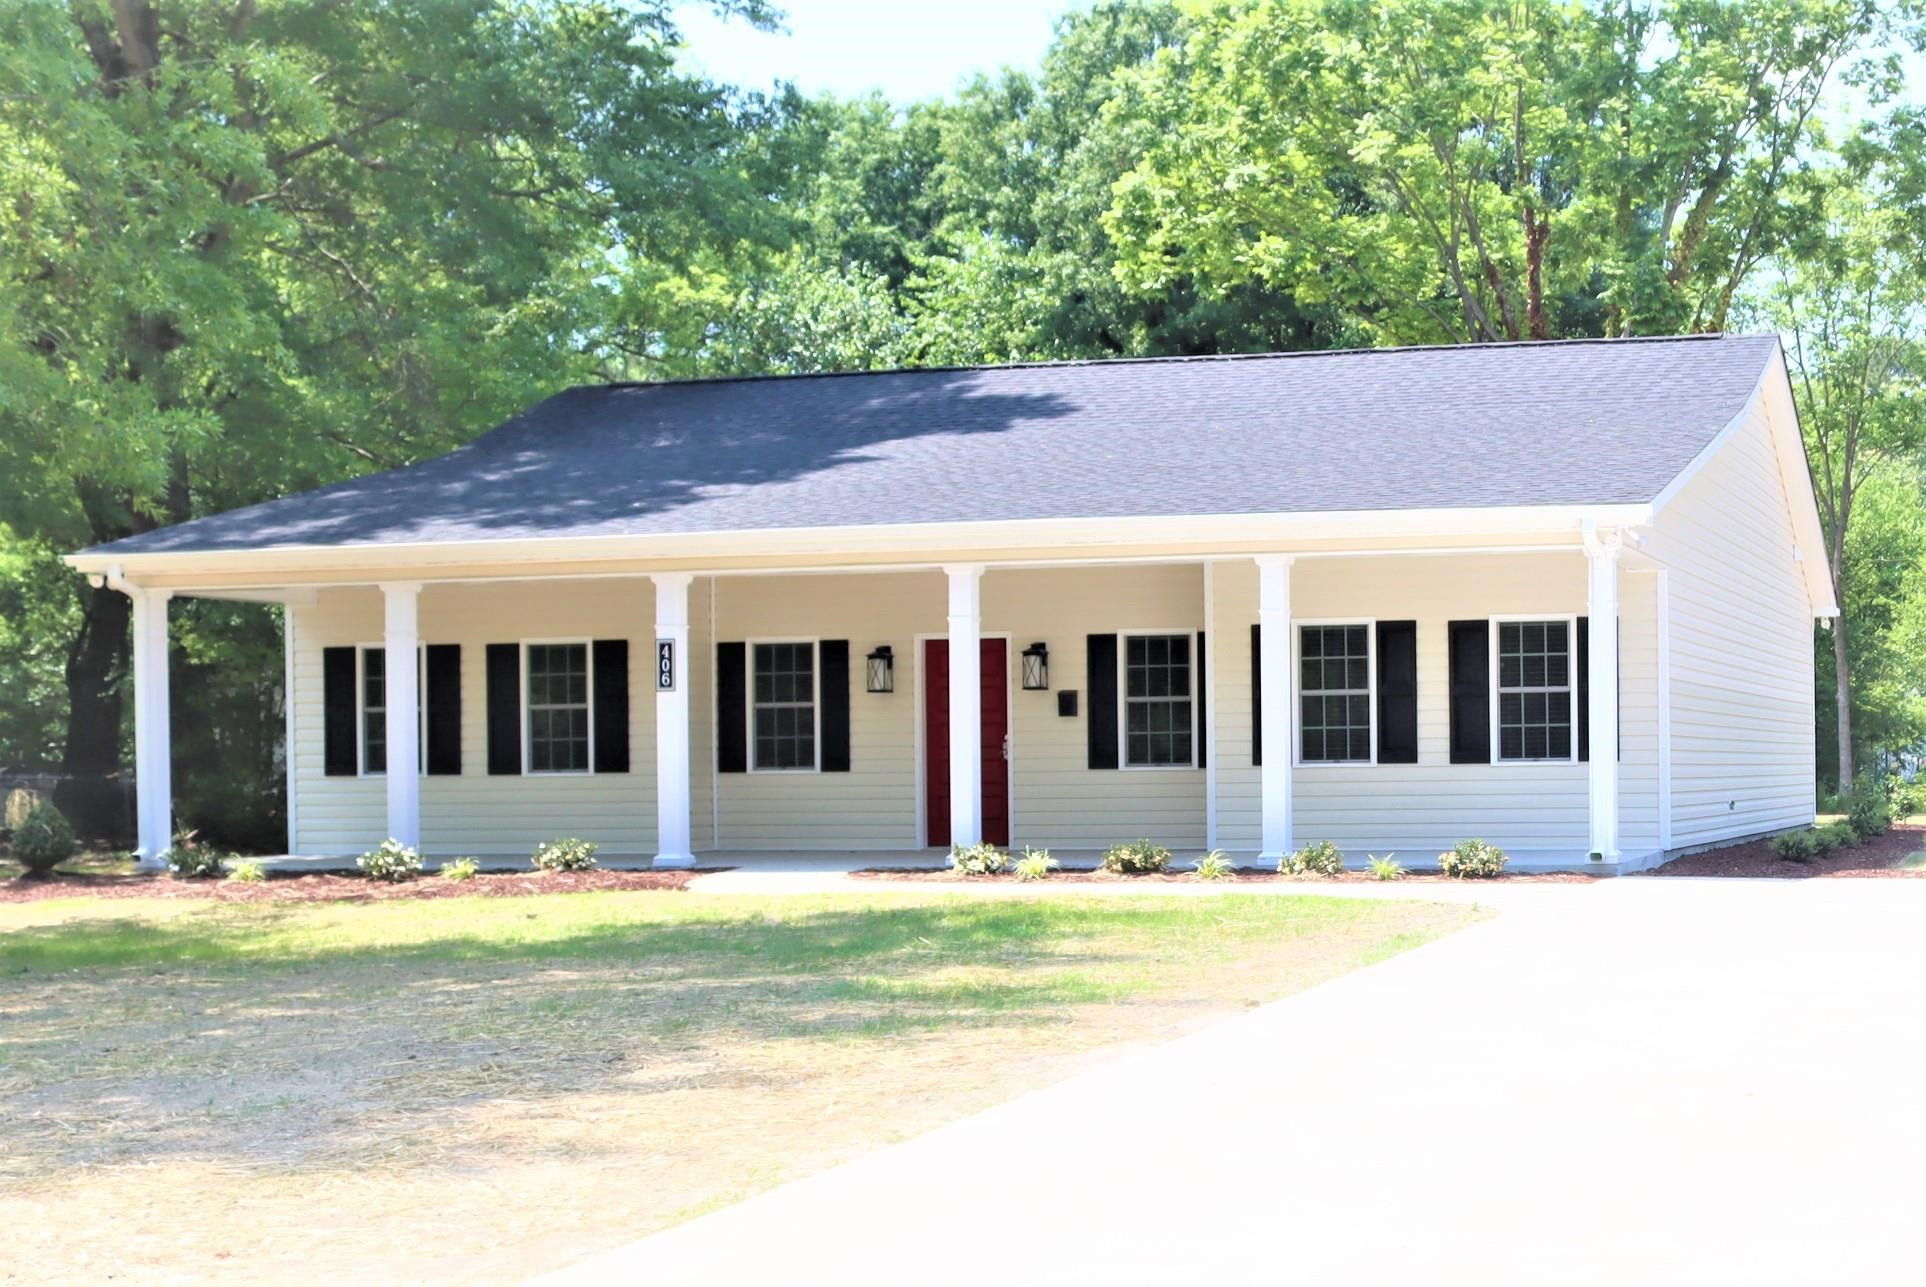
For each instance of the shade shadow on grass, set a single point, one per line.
(191, 1032)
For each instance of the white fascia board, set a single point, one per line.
(1774, 393)
(921, 542)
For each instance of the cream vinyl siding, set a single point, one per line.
(1742, 661)
(477, 813)
(1060, 800)
(1418, 809)
(1056, 799)
(873, 806)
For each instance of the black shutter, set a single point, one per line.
(339, 757)
(443, 699)
(1257, 695)
(1470, 692)
(732, 693)
(1199, 699)
(1100, 676)
(1583, 653)
(611, 697)
(832, 659)
(504, 708)
(1397, 692)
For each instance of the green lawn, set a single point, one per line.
(189, 1085)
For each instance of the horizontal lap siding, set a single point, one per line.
(1424, 807)
(1059, 799)
(873, 805)
(479, 813)
(1742, 664)
(1056, 799)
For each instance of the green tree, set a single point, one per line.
(244, 250)
(1443, 170)
(1848, 298)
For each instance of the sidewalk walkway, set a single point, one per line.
(1636, 1081)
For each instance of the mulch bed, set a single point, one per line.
(1877, 857)
(1242, 875)
(318, 887)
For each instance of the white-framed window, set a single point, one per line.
(1534, 699)
(372, 688)
(783, 710)
(1337, 693)
(1159, 726)
(557, 716)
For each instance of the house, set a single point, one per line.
(1556, 595)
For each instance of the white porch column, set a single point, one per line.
(153, 740)
(401, 644)
(966, 703)
(1601, 555)
(672, 720)
(1275, 722)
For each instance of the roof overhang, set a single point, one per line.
(854, 546)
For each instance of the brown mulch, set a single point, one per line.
(1877, 857)
(317, 887)
(1182, 876)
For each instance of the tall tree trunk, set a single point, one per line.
(96, 674)
(1842, 689)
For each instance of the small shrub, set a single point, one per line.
(1796, 846)
(1139, 858)
(248, 871)
(1035, 864)
(1320, 858)
(390, 860)
(1386, 867)
(1215, 865)
(460, 869)
(189, 859)
(570, 854)
(1868, 810)
(42, 841)
(1834, 836)
(1907, 798)
(980, 859)
(1472, 860)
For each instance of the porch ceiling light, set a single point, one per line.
(1036, 667)
(881, 671)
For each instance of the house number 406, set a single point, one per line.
(665, 665)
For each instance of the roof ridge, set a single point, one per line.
(1179, 359)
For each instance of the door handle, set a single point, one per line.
(1006, 748)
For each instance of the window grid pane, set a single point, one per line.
(1157, 701)
(785, 706)
(558, 713)
(1534, 690)
(1334, 685)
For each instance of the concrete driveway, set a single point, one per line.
(1643, 1081)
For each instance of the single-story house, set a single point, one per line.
(1559, 596)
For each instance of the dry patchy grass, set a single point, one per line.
(476, 1090)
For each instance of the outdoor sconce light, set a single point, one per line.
(881, 670)
(1036, 667)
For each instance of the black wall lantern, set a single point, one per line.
(1036, 667)
(881, 671)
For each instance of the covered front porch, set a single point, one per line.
(871, 715)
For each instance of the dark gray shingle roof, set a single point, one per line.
(1580, 422)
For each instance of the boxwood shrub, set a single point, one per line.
(1138, 858)
(569, 854)
(1472, 860)
(43, 840)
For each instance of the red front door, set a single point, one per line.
(936, 740)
